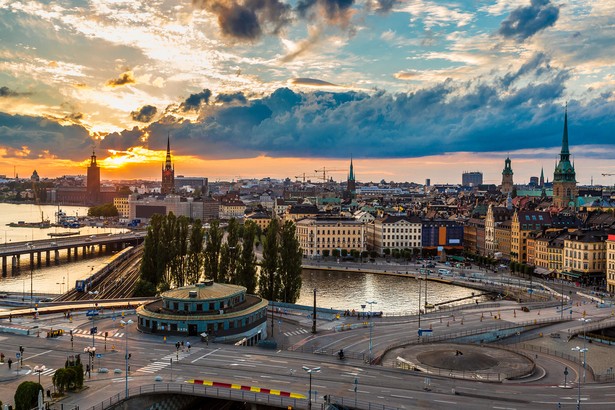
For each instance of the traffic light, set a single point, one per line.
(21, 349)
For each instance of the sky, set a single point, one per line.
(409, 89)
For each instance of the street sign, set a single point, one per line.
(92, 313)
(356, 383)
(93, 330)
(98, 355)
(426, 332)
(18, 355)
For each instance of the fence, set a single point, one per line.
(118, 399)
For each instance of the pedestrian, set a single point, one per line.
(10, 362)
(188, 346)
(182, 345)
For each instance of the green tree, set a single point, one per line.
(336, 253)
(269, 278)
(150, 271)
(211, 261)
(290, 264)
(326, 253)
(105, 210)
(144, 288)
(177, 261)
(194, 266)
(26, 395)
(344, 252)
(246, 266)
(229, 253)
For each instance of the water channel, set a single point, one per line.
(339, 290)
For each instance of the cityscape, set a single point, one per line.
(314, 204)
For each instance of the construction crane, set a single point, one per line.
(324, 171)
(607, 175)
(304, 176)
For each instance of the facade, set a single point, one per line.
(502, 238)
(550, 250)
(144, 208)
(224, 312)
(196, 183)
(523, 222)
(610, 263)
(507, 178)
(495, 215)
(121, 204)
(211, 209)
(168, 173)
(232, 208)
(564, 178)
(472, 179)
(395, 232)
(316, 235)
(585, 256)
(300, 211)
(261, 219)
(442, 234)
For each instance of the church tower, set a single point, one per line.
(507, 178)
(168, 173)
(564, 178)
(93, 184)
(351, 183)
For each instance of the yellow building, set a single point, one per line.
(585, 256)
(610, 264)
(502, 238)
(121, 203)
(550, 251)
(261, 219)
(523, 222)
(317, 235)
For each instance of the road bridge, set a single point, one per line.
(48, 250)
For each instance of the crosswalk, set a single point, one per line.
(46, 372)
(296, 332)
(99, 335)
(165, 361)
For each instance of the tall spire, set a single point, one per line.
(351, 174)
(565, 154)
(542, 177)
(167, 164)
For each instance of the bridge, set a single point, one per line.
(48, 250)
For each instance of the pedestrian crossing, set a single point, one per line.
(296, 332)
(46, 372)
(165, 361)
(99, 335)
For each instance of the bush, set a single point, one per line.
(144, 288)
(26, 395)
(325, 253)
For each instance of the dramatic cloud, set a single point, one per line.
(384, 6)
(312, 82)
(334, 11)
(7, 92)
(237, 97)
(524, 22)
(248, 19)
(35, 137)
(144, 114)
(193, 103)
(124, 79)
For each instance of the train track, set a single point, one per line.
(118, 283)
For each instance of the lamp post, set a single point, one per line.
(310, 370)
(585, 321)
(127, 356)
(371, 324)
(91, 351)
(39, 369)
(580, 350)
(94, 313)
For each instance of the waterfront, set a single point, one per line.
(53, 279)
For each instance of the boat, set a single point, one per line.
(63, 233)
(43, 224)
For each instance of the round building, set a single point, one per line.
(218, 311)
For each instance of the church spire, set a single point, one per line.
(351, 174)
(565, 154)
(542, 177)
(167, 164)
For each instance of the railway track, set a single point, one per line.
(116, 284)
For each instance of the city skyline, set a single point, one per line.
(410, 90)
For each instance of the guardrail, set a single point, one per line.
(117, 401)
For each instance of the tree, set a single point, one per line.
(150, 271)
(194, 266)
(246, 266)
(144, 288)
(105, 210)
(26, 395)
(290, 263)
(213, 241)
(229, 253)
(325, 253)
(269, 279)
(344, 253)
(336, 253)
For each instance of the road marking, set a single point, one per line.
(205, 355)
(505, 408)
(445, 401)
(404, 397)
(39, 354)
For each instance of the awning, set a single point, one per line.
(571, 274)
(457, 258)
(542, 271)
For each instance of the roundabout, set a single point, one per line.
(465, 361)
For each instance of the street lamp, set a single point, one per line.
(371, 324)
(91, 351)
(310, 370)
(39, 369)
(94, 313)
(580, 350)
(585, 321)
(127, 356)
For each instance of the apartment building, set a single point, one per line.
(523, 222)
(610, 263)
(317, 235)
(394, 232)
(585, 256)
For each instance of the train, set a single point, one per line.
(84, 285)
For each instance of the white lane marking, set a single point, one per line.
(403, 397)
(205, 355)
(35, 355)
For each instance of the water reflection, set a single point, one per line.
(394, 294)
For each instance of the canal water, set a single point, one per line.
(338, 290)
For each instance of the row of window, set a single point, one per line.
(401, 230)
(199, 306)
(406, 237)
(211, 326)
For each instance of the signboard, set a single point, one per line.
(92, 313)
(98, 355)
(17, 355)
(425, 332)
